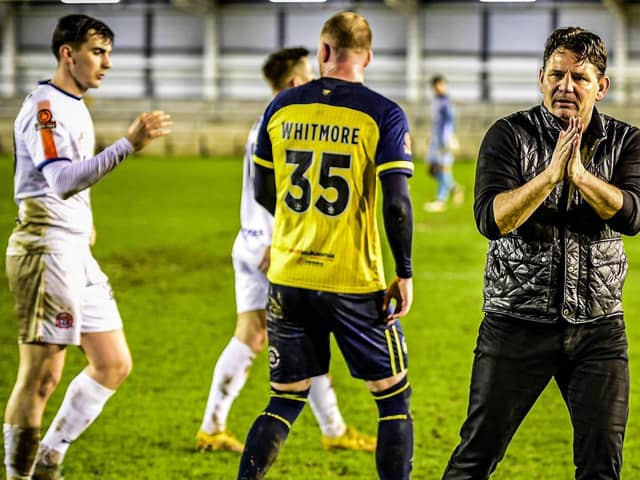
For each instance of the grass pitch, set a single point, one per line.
(165, 229)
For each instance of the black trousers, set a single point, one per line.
(515, 360)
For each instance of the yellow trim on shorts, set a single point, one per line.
(399, 345)
(392, 358)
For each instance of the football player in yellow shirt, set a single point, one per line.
(320, 152)
(283, 69)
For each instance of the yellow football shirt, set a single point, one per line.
(327, 142)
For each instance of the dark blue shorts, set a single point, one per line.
(299, 323)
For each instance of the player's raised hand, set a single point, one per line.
(147, 126)
(400, 290)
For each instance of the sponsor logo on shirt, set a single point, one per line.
(249, 232)
(64, 320)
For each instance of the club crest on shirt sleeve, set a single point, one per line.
(45, 119)
(407, 143)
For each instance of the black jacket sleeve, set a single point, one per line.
(627, 178)
(497, 170)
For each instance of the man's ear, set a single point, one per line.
(293, 81)
(369, 57)
(66, 53)
(325, 52)
(603, 87)
(540, 78)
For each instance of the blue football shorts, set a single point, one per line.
(299, 324)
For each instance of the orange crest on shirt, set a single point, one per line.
(46, 125)
(44, 115)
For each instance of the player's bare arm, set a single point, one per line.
(511, 209)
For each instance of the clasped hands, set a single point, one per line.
(566, 159)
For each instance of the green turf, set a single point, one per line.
(165, 230)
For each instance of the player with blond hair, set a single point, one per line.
(283, 69)
(321, 151)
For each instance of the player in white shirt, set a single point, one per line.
(250, 254)
(61, 295)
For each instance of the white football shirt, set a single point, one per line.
(256, 223)
(52, 126)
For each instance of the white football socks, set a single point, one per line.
(84, 400)
(229, 376)
(15, 439)
(324, 403)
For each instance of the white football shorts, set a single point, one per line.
(252, 286)
(60, 296)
